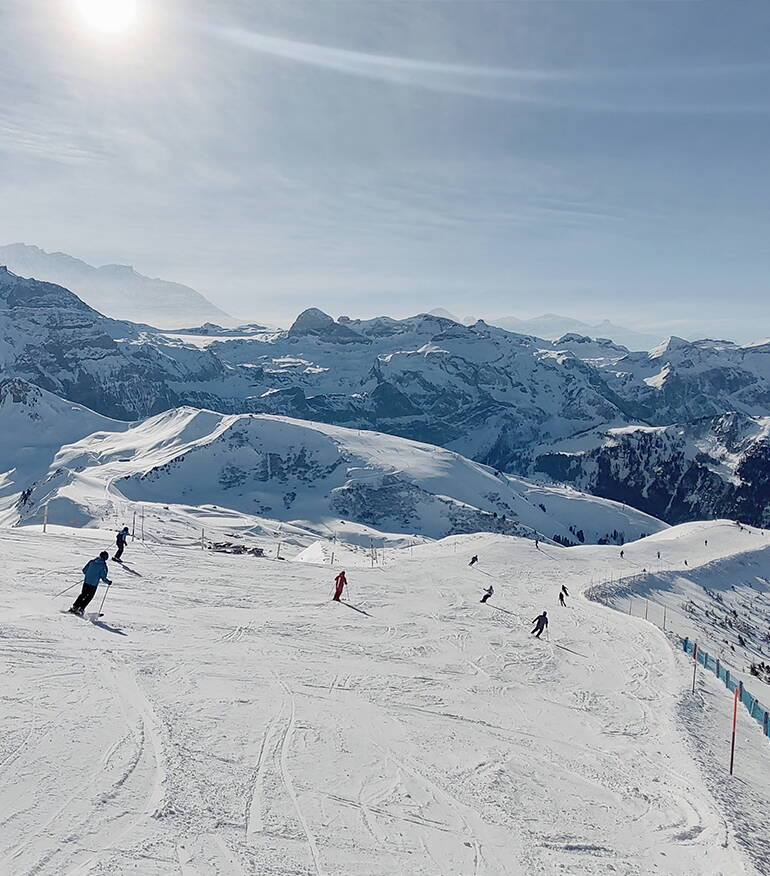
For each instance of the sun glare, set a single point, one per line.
(108, 16)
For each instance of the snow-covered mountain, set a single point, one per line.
(34, 424)
(683, 380)
(317, 477)
(51, 338)
(708, 468)
(114, 289)
(515, 402)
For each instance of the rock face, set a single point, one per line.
(711, 468)
(515, 402)
(49, 337)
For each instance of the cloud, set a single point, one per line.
(497, 82)
(632, 90)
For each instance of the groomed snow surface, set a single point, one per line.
(226, 717)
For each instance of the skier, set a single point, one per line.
(564, 590)
(474, 560)
(705, 542)
(94, 571)
(340, 582)
(490, 591)
(120, 541)
(540, 622)
(537, 545)
(658, 554)
(621, 554)
(561, 599)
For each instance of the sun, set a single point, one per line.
(108, 16)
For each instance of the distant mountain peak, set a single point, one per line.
(316, 323)
(118, 291)
(670, 344)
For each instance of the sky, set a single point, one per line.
(597, 159)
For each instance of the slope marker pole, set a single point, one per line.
(735, 722)
(694, 664)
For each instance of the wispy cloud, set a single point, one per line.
(586, 89)
(501, 82)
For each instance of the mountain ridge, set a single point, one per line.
(119, 290)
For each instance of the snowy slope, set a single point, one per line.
(320, 478)
(225, 717)
(721, 602)
(35, 424)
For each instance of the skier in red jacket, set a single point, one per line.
(340, 581)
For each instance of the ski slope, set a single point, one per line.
(225, 717)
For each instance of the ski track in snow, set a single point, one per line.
(245, 724)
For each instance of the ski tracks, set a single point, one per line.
(122, 791)
(275, 749)
(285, 745)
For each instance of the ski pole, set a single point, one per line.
(107, 590)
(64, 591)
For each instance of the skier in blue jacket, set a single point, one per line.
(94, 571)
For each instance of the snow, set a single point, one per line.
(317, 477)
(224, 716)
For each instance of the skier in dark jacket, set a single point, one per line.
(540, 622)
(120, 541)
(561, 599)
(94, 571)
(474, 560)
(488, 593)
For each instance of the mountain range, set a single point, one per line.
(553, 326)
(115, 289)
(679, 432)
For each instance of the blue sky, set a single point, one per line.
(598, 159)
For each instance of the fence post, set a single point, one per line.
(278, 551)
(766, 724)
(630, 602)
(664, 618)
(735, 722)
(203, 539)
(133, 526)
(45, 516)
(646, 607)
(740, 688)
(694, 664)
(717, 659)
(142, 522)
